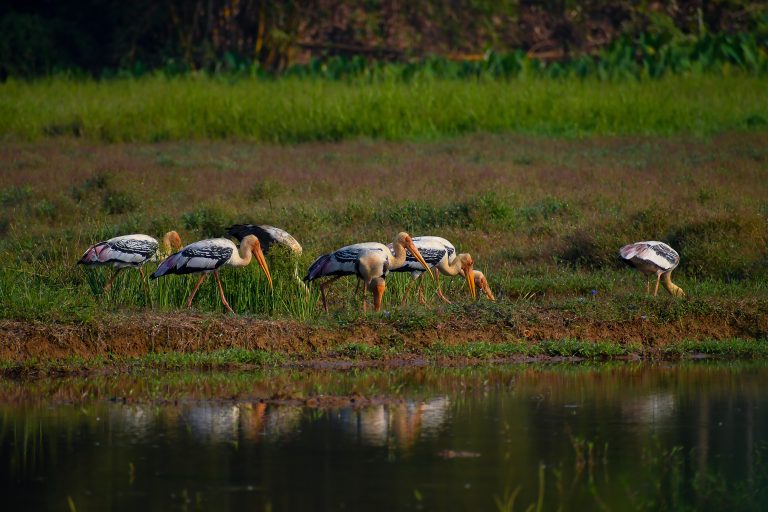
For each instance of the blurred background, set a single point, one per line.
(104, 37)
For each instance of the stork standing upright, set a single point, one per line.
(441, 256)
(369, 261)
(654, 258)
(269, 236)
(208, 256)
(129, 251)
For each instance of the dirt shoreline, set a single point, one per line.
(142, 333)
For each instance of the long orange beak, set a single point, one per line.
(469, 273)
(415, 252)
(262, 263)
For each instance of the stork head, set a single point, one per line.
(172, 242)
(251, 242)
(482, 283)
(467, 268)
(403, 239)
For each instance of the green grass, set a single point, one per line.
(291, 110)
(238, 358)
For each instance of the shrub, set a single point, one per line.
(116, 202)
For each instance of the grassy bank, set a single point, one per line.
(289, 110)
(542, 217)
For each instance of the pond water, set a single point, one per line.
(570, 437)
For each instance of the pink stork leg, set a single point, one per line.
(112, 279)
(194, 291)
(439, 291)
(221, 292)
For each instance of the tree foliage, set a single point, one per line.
(97, 36)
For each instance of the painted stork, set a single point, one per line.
(369, 261)
(441, 256)
(482, 284)
(129, 251)
(654, 258)
(269, 236)
(208, 256)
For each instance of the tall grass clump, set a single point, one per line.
(158, 108)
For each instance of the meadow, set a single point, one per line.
(540, 179)
(543, 217)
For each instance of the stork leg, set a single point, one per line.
(408, 289)
(366, 284)
(146, 287)
(647, 285)
(194, 291)
(221, 292)
(439, 291)
(420, 289)
(324, 286)
(658, 279)
(112, 279)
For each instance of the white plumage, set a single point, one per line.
(127, 251)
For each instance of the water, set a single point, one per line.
(575, 437)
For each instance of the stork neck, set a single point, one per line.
(398, 253)
(166, 245)
(242, 257)
(672, 288)
(451, 269)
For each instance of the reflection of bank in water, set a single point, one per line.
(402, 423)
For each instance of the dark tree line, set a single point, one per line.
(41, 36)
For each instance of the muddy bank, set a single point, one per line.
(139, 334)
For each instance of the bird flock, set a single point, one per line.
(370, 262)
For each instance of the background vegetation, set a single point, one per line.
(103, 37)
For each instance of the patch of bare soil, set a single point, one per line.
(144, 333)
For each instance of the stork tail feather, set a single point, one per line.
(316, 269)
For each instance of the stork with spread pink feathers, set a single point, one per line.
(129, 251)
(654, 258)
(369, 261)
(208, 256)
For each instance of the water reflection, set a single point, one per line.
(614, 437)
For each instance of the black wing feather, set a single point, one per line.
(144, 248)
(240, 231)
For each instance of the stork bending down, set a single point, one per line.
(654, 258)
(129, 251)
(369, 261)
(440, 254)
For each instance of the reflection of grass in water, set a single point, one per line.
(662, 484)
